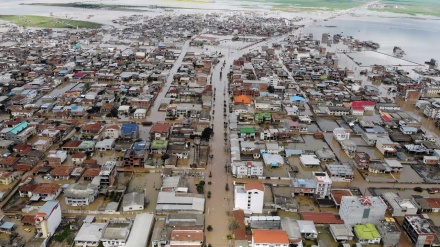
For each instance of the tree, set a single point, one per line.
(227, 187)
(229, 236)
(206, 133)
(164, 157)
(209, 194)
(233, 224)
(418, 189)
(271, 89)
(100, 244)
(209, 228)
(87, 86)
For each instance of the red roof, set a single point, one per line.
(269, 236)
(321, 218)
(357, 108)
(362, 103)
(240, 233)
(254, 186)
(160, 128)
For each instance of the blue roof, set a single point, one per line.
(19, 127)
(64, 71)
(129, 128)
(407, 128)
(140, 145)
(48, 207)
(290, 152)
(77, 108)
(7, 225)
(297, 98)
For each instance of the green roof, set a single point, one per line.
(367, 232)
(262, 115)
(247, 130)
(159, 144)
(19, 127)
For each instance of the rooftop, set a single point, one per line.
(262, 236)
(366, 232)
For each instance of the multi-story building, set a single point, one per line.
(386, 146)
(397, 205)
(243, 169)
(362, 209)
(129, 131)
(108, 173)
(48, 218)
(419, 230)
(80, 194)
(160, 131)
(389, 232)
(135, 157)
(323, 184)
(341, 134)
(249, 197)
(20, 133)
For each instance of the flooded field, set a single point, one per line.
(309, 143)
(370, 58)
(372, 151)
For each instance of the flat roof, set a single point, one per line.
(140, 232)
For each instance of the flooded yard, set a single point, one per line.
(372, 151)
(431, 174)
(277, 172)
(303, 172)
(326, 123)
(408, 175)
(147, 183)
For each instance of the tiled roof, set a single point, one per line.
(261, 236)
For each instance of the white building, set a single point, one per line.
(48, 218)
(90, 233)
(398, 206)
(362, 209)
(112, 131)
(140, 113)
(249, 197)
(105, 145)
(116, 233)
(323, 184)
(133, 201)
(80, 194)
(243, 169)
(341, 134)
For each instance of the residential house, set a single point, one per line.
(341, 134)
(268, 238)
(78, 158)
(91, 129)
(129, 131)
(45, 192)
(386, 147)
(160, 131)
(367, 234)
(61, 172)
(6, 177)
(112, 131)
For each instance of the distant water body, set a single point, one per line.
(417, 37)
